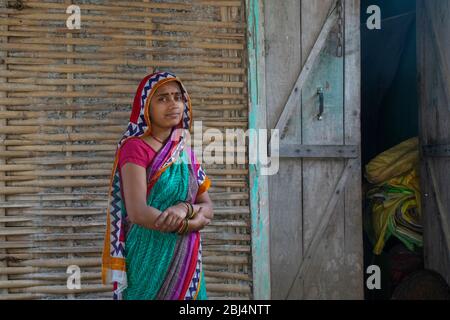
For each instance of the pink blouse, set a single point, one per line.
(137, 151)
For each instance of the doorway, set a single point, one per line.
(389, 116)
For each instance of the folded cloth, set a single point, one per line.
(395, 196)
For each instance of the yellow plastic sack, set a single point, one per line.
(393, 162)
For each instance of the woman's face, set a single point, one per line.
(166, 105)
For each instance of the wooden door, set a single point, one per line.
(312, 54)
(433, 27)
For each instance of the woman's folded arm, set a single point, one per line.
(134, 189)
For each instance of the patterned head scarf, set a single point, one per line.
(113, 259)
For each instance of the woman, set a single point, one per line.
(158, 200)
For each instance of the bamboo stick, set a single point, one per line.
(61, 196)
(194, 84)
(16, 256)
(52, 263)
(40, 114)
(39, 15)
(25, 283)
(77, 249)
(18, 190)
(132, 25)
(227, 275)
(226, 236)
(117, 40)
(56, 276)
(87, 288)
(221, 3)
(62, 183)
(63, 173)
(228, 288)
(20, 296)
(118, 6)
(112, 61)
(14, 231)
(64, 148)
(22, 178)
(236, 224)
(218, 211)
(15, 244)
(198, 53)
(61, 68)
(227, 248)
(60, 161)
(4, 219)
(19, 270)
(36, 102)
(71, 224)
(61, 212)
(65, 237)
(11, 142)
(66, 122)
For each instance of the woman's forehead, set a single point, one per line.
(169, 87)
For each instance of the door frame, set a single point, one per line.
(258, 184)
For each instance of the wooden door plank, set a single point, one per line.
(434, 127)
(305, 72)
(283, 63)
(442, 210)
(321, 175)
(353, 231)
(439, 43)
(318, 233)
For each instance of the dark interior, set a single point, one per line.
(389, 116)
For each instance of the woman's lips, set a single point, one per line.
(173, 115)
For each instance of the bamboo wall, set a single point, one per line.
(65, 98)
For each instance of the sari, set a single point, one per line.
(141, 263)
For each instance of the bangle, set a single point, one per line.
(187, 209)
(187, 227)
(180, 229)
(192, 213)
(184, 227)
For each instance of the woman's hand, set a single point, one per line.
(171, 218)
(199, 221)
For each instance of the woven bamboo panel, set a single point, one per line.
(65, 99)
